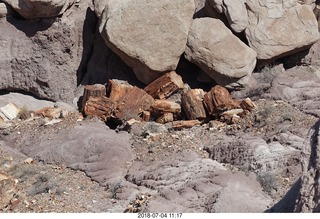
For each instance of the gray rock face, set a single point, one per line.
(32, 9)
(278, 28)
(253, 153)
(309, 196)
(149, 36)
(220, 54)
(46, 57)
(300, 87)
(197, 185)
(93, 148)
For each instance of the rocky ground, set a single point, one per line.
(80, 165)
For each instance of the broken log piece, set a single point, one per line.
(165, 118)
(165, 106)
(185, 124)
(133, 104)
(218, 99)
(247, 104)
(146, 115)
(96, 90)
(192, 104)
(117, 89)
(165, 85)
(101, 107)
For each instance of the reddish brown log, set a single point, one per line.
(165, 106)
(133, 104)
(117, 89)
(146, 115)
(219, 99)
(165, 85)
(247, 104)
(192, 104)
(96, 90)
(185, 124)
(101, 107)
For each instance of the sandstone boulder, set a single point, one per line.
(32, 9)
(5, 9)
(149, 36)
(220, 54)
(280, 28)
(235, 11)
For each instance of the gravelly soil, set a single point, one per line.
(51, 188)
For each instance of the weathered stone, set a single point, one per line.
(278, 28)
(7, 190)
(149, 36)
(235, 11)
(5, 10)
(46, 57)
(32, 9)
(220, 54)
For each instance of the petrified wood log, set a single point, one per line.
(165, 85)
(117, 89)
(185, 124)
(192, 104)
(96, 90)
(165, 106)
(133, 104)
(101, 107)
(218, 99)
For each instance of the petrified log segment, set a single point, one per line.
(117, 89)
(247, 104)
(165, 106)
(219, 99)
(165, 85)
(165, 118)
(133, 104)
(192, 105)
(96, 90)
(101, 107)
(185, 124)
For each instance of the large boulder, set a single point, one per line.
(149, 35)
(280, 28)
(219, 53)
(32, 9)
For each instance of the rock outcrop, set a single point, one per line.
(46, 57)
(93, 148)
(32, 9)
(277, 29)
(191, 184)
(149, 36)
(309, 196)
(221, 55)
